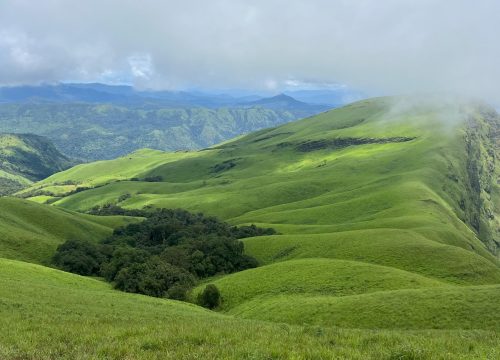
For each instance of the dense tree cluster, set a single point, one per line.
(163, 255)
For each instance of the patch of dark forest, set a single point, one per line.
(165, 255)
(340, 143)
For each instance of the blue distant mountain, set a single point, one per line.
(129, 96)
(331, 97)
(114, 94)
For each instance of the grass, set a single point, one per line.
(126, 167)
(65, 316)
(314, 277)
(475, 307)
(403, 250)
(31, 232)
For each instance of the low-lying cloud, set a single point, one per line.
(385, 46)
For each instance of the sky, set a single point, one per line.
(378, 46)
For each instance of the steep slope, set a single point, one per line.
(31, 232)
(401, 183)
(25, 158)
(51, 314)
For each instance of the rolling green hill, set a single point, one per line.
(51, 314)
(31, 232)
(25, 158)
(388, 211)
(400, 183)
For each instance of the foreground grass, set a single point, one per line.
(475, 307)
(48, 314)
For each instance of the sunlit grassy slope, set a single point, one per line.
(386, 200)
(48, 314)
(31, 232)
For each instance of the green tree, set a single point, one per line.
(154, 277)
(79, 257)
(210, 297)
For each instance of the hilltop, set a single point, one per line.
(25, 158)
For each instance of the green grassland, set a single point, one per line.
(315, 277)
(388, 213)
(56, 315)
(475, 307)
(31, 232)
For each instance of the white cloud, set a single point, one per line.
(390, 46)
(141, 66)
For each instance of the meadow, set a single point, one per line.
(57, 315)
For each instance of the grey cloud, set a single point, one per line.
(384, 46)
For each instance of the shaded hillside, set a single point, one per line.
(25, 158)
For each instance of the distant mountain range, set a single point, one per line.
(98, 121)
(128, 95)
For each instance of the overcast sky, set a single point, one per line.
(381, 46)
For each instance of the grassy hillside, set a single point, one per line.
(51, 314)
(324, 277)
(25, 158)
(355, 294)
(31, 232)
(133, 166)
(396, 198)
(456, 308)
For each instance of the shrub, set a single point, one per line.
(178, 292)
(153, 178)
(153, 278)
(210, 297)
(122, 257)
(78, 256)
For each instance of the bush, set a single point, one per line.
(210, 297)
(153, 179)
(153, 278)
(79, 257)
(178, 292)
(122, 257)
